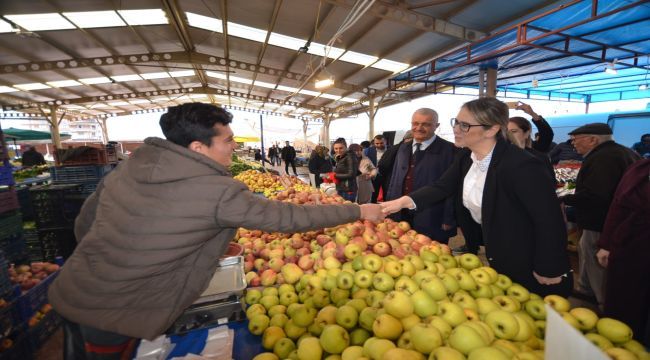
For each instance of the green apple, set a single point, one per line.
(359, 336)
(506, 346)
(284, 347)
(291, 273)
(443, 327)
(258, 323)
(270, 291)
(288, 298)
(334, 339)
(487, 353)
(329, 282)
(372, 262)
(277, 309)
(496, 291)
(420, 275)
(363, 278)
(269, 300)
(570, 320)
(347, 316)
(406, 284)
(425, 338)
(557, 302)
(321, 298)
(407, 267)
(310, 349)
(431, 267)
(404, 341)
(359, 293)
(507, 303)
(454, 271)
(503, 323)
(387, 327)
(616, 331)
(410, 321)
(284, 288)
(279, 320)
(255, 309)
(339, 295)
(486, 306)
(304, 316)
(417, 262)
(428, 255)
(465, 281)
(480, 275)
(620, 354)
(465, 301)
(393, 268)
(291, 309)
(434, 287)
(536, 308)
(423, 304)
(383, 282)
(352, 353)
(540, 328)
(602, 342)
(518, 292)
(450, 283)
(331, 263)
(375, 348)
(266, 356)
(357, 304)
(446, 353)
(293, 331)
(586, 318)
(352, 251)
(465, 339)
(398, 304)
(253, 296)
(447, 261)
(494, 276)
(367, 318)
(635, 347)
(525, 329)
(402, 354)
(271, 335)
(470, 261)
(503, 282)
(451, 312)
(344, 280)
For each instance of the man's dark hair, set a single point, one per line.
(645, 136)
(379, 137)
(190, 122)
(365, 144)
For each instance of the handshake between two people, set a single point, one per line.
(377, 212)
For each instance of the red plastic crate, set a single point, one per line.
(92, 156)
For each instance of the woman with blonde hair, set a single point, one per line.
(504, 198)
(367, 172)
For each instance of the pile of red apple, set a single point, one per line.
(39, 315)
(265, 254)
(303, 194)
(28, 276)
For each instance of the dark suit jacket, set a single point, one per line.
(436, 160)
(522, 225)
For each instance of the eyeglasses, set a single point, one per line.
(464, 127)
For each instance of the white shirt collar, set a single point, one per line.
(424, 144)
(483, 164)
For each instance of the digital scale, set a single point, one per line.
(222, 301)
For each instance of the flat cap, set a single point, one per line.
(593, 129)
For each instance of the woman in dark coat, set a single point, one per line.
(504, 197)
(319, 163)
(625, 245)
(519, 130)
(345, 171)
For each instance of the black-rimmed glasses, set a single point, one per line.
(464, 127)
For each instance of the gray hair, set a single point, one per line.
(603, 138)
(427, 112)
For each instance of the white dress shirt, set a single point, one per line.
(474, 183)
(380, 153)
(423, 145)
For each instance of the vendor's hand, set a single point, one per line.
(603, 257)
(372, 212)
(546, 280)
(393, 206)
(446, 227)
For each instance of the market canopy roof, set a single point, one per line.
(101, 58)
(30, 136)
(587, 51)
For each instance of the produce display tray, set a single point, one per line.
(209, 314)
(228, 279)
(34, 299)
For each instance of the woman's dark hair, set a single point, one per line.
(521, 123)
(365, 144)
(354, 147)
(190, 122)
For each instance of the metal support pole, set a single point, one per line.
(304, 135)
(491, 82)
(54, 127)
(371, 118)
(262, 138)
(326, 130)
(481, 82)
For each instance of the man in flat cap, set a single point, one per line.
(604, 165)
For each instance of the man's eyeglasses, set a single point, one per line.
(464, 127)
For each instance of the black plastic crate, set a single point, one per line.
(79, 174)
(25, 202)
(13, 247)
(6, 288)
(10, 320)
(56, 206)
(21, 348)
(10, 224)
(33, 299)
(57, 242)
(42, 331)
(8, 200)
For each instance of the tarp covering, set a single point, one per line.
(559, 55)
(23, 135)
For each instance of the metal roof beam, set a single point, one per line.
(417, 20)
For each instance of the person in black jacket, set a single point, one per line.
(542, 142)
(31, 157)
(519, 130)
(345, 172)
(319, 163)
(604, 166)
(289, 157)
(387, 161)
(491, 180)
(564, 151)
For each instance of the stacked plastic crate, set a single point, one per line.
(11, 236)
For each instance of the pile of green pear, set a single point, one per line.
(427, 306)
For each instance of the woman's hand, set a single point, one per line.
(603, 257)
(546, 280)
(393, 206)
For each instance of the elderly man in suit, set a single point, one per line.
(418, 163)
